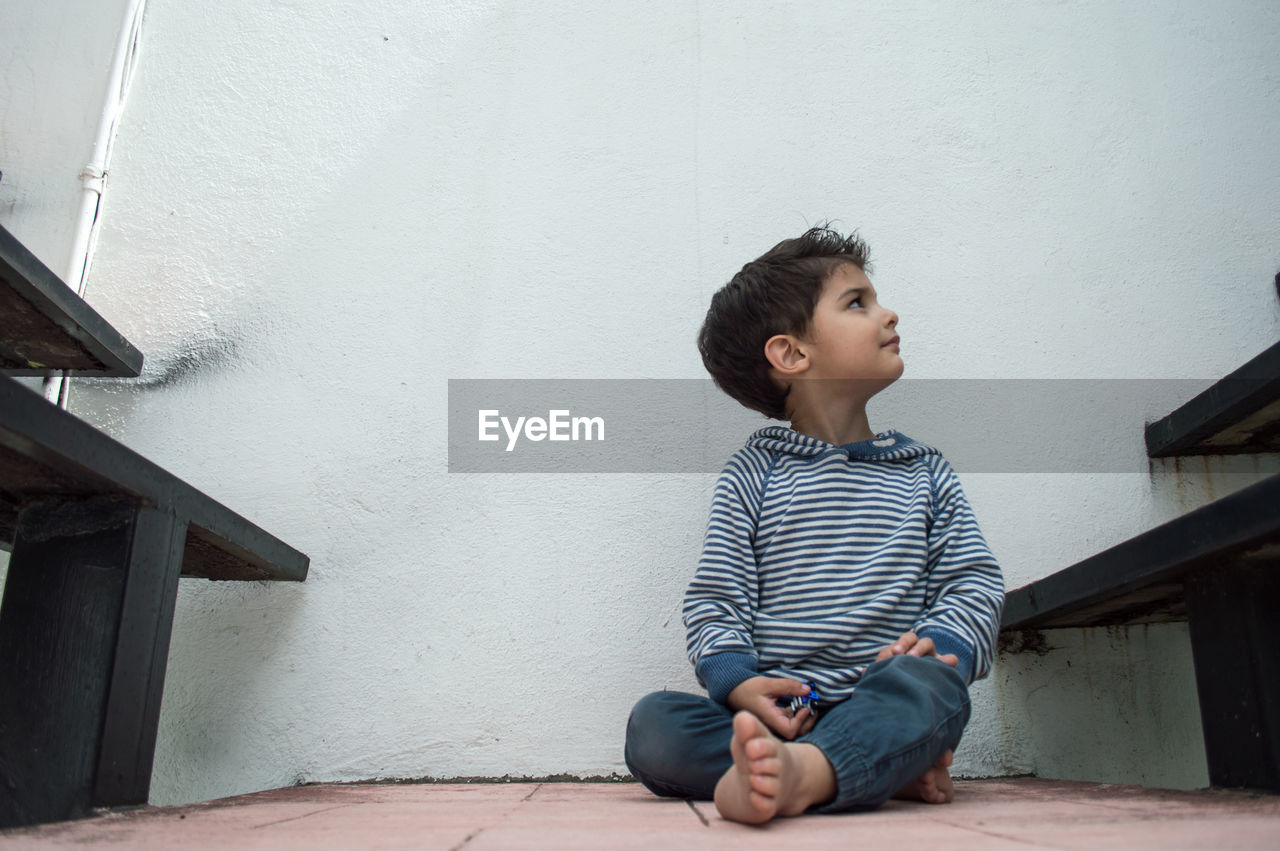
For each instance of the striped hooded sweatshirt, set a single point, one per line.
(818, 556)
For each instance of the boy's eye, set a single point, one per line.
(857, 302)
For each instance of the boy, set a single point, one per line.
(838, 564)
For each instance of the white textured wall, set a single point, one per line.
(319, 213)
(55, 57)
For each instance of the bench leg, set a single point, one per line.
(1234, 617)
(84, 638)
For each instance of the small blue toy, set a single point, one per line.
(810, 700)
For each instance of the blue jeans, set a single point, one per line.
(905, 713)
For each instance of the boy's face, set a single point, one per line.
(851, 335)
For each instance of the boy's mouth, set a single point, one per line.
(893, 342)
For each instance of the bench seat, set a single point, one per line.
(47, 453)
(1143, 579)
(98, 537)
(1218, 569)
(48, 328)
(1239, 414)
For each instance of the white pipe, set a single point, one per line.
(93, 176)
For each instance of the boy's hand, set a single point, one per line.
(759, 696)
(912, 645)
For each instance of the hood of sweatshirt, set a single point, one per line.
(888, 445)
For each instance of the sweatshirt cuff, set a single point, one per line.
(945, 641)
(721, 673)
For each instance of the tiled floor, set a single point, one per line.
(987, 814)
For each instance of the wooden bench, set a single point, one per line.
(1239, 414)
(48, 328)
(98, 537)
(1216, 568)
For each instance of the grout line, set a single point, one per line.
(501, 818)
(304, 815)
(697, 812)
(1011, 838)
(470, 836)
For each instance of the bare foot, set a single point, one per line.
(932, 787)
(770, 778)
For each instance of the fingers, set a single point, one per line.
(782, 726)
(775, 687)
(772, 719)
(897, 648)
(903, 644)
(807, 721)
(782, 722)
(908, 642)
(913, 645)
(751, 693)
(789, 726)
(792, 688)
(923, 647)
(780, 689)
(796, 725)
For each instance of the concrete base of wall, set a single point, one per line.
(986, 814)
(1109, 704)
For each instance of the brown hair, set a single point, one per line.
(774, 294)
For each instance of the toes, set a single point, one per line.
(744, 730)
(761, 748)
(768, 785)
(769, 765)
(765, 804)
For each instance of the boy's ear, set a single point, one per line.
(786, 354)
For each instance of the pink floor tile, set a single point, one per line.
(987, 814)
